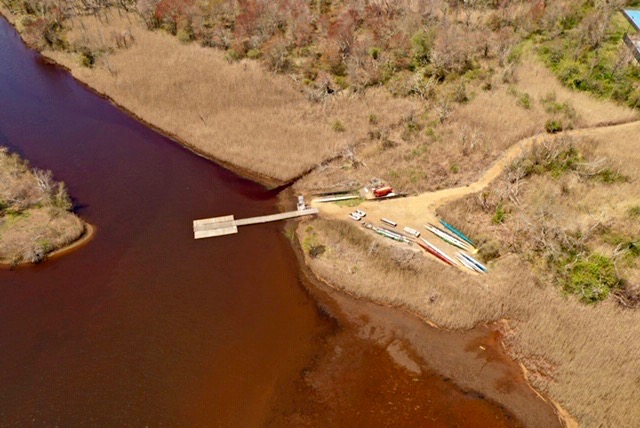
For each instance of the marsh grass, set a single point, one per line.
(237, 112)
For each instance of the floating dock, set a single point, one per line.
(227, 225)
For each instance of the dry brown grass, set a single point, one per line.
(37, 232)
(34, 216)
(584, 356)
(458, 150)
(260, 122)
(361, 264)
(237, 113)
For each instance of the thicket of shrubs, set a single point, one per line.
(22, 188)
(407, 46)
(35, 216)
(536, 224)
(586, 51)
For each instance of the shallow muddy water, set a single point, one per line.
(145, 326)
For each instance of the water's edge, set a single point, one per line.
(81, 241)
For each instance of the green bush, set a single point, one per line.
(609, 176)
(186, 34)
(317, 250)
(254, 54)
(401, 84)
(488, 250)
(388, 144)
(231, 55)
(591, 278)
(170, 26)
(599, 70)
(342, 82)
(623, 241)
(87, 57)
(634, 211)
(500, 216)
(524, 100)
(572, 74)
(460, 94)
(60, 197)
(553, 126)
(421, 43)
(552, 106)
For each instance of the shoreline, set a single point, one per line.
(89, 233)
(270, 183)
(325, 286)
(262, 179)
(81, 241)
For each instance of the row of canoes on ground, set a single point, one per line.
(462, 258)
(451, 235)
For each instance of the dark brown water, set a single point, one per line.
(144, 325)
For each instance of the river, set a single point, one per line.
(146, 326)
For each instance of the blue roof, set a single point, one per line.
(634, 17)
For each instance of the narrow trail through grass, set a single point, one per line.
(416, 210)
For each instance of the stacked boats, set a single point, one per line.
(357, 215)
(456, 238)
(447, 233)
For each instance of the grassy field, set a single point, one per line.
(415, 151)
(35, 217)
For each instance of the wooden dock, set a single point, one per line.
(227, 225)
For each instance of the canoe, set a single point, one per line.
(448, 238)
(466, 263)
(457, 232)
(391, 235)
(389, 222)
(335, 198)
(435, 251)
(412, 232)
(473, 261)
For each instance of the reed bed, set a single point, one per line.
(234, 112)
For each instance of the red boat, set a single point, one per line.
(434, 253)
(382, 191)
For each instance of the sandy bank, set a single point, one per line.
(87, 235)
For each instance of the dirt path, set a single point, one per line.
(415, 211)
